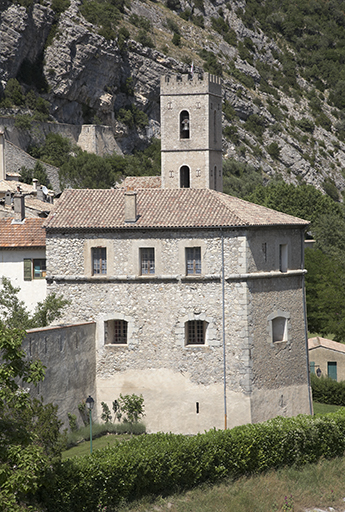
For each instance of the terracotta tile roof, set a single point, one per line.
(28, 234)
(135, 182)
(11, 185)
(325, 343)
(36, 204)
(157, 208)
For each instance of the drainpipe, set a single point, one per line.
(305, 326)
(223, 322)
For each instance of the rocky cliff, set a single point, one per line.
(90, 78)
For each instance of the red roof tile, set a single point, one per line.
(135, 182)
(161, 208)
(30, 233)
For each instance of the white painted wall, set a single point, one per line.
(12, 267)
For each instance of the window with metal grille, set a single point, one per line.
(115, 332)
(193, 260)
(147, 261)
(99, 260)
(195, 332)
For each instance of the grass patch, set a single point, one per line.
(325, 408)
(315, 485)
(102, 442)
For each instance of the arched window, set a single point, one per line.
(184, 124)
(184, 177)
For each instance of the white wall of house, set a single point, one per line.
(12, 267)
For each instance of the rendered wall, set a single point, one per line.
(68, 353)
(321, 356)
(12, 267)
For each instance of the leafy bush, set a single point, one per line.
(255, 124)
(174, 5)
(273, 150)
(327, 391)
(173, 26)
(132, 116)
(144, 39)
(240, 179)
(305, 124)
(39, 172)
(164, 463)
(140, 21)
(211, 65)
(23, 122)
(176, 40)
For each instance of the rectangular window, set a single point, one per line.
(312, 366)
(283, 257)
(34, 269)
(147, 261)
(195, 332)
(115, 332)
(39, 269)
(332, 370)
(99, 260)
(193, 261)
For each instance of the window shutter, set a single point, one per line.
(27, 270)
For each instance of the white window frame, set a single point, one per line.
(278, 321)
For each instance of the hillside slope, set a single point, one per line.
(101, 62)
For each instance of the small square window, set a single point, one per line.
(147, 261)
(115, 332)
(99, 260)
(193, 261)
(195, 332)
(279, 329)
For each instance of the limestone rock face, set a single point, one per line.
(90, 79)
(23, 36)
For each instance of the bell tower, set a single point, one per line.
(191, 131)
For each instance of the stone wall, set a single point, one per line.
(68, 353)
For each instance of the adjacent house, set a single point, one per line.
(327, 358)
(197, 297)
(23, 257)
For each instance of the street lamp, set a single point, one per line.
(89, 404)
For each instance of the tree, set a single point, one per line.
(14, 314)
(29, 431)
(132, 406)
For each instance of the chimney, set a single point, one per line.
(130, 206)
(19, 206)
(34, 183)
(50, 197)
(2, 157)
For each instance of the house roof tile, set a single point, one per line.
(325, 343)
(135, 182)
(161, 208)
(27, 234)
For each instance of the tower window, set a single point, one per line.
(184, 177)
(184, 124)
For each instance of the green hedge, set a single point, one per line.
(328, 391)
(164, 463)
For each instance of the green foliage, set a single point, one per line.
(88, 170)
(30, 438)
(132, 406)
(38, 172)
(231, 133)
(240, 179)
(13, 312)
(173, 26)
(174, 5)
(211, 64)
(132, 117)
(72, 420)
(198, 20)
(330, 188)
(176, 40)
(13, 92)
(163, 463)
(105, 14)
(122, 37)
(246, 80)
(144, 39)
(305, 124)
(273, 150)
(23, 122)
(255, 124)
(327, 391)
(60, 6)
(55, 150)
(140, 21)
(106, 414)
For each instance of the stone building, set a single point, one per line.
(327, 358)
(198, 297)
